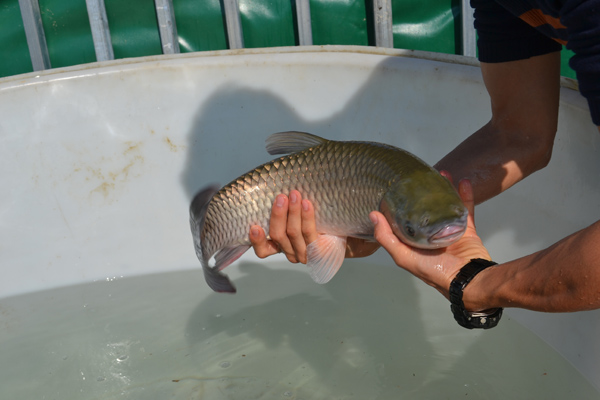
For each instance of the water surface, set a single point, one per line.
(371, 333)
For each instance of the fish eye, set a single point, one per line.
(409, 230)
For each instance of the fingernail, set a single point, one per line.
(279, 201)
(254, 232)
(373, 218)
(293, 197)
(305, 205)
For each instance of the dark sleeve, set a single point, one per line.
(502, 36)
(582, 19)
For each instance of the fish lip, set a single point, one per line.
(448, 234)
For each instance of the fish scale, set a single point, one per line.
(330, 162)
(345, 181)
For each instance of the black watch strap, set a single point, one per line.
(478, 320)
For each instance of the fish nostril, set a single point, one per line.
(459, 210)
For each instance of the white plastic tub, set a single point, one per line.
(98, 165)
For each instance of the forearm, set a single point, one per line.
(562, 278)
(518, 139)
(494, 159)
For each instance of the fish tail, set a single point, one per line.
(198, 208)
(218, 281)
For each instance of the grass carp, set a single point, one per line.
(345, 181)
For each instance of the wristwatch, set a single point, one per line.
(479, 320)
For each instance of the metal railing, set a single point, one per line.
(382, 15)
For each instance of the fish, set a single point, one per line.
(345, 181)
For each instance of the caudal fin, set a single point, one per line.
(199, 205)
(218, 281)
(198, 209)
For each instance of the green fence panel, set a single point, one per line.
(14, 53)
(339, 22)
(200, 25)
(267, 23)
(68, 34)
(133, 28)
(434, 25)
(565, 70)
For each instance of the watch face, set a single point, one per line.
(476, 320)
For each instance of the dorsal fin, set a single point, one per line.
(291, 142)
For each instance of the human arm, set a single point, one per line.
(518, 139)
(562, 278)
(516, 142)
(565, 277)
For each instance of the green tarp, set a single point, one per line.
(432, 26)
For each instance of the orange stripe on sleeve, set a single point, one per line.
(537, 18)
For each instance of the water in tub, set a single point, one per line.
(373, 332)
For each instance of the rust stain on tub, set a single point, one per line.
(131, 147)
(123, 167)
(172, 146)
(105, 188)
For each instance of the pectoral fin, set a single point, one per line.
(325, 257)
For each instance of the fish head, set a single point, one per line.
(425, 211)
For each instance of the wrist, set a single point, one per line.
(488, 318)
(477, 295)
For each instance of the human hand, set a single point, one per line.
(293, 227)
(436, 267)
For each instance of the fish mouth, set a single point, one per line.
(447, 235)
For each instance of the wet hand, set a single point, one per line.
(293, 227)
(435, 267)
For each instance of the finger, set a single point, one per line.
(356, 248)
(294, 226)
(278, 227)
(309, 223)
(448, 176)
(262, 247)
(388, 240)
(465, 190)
